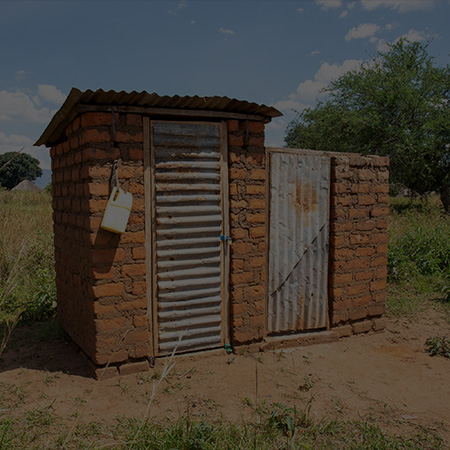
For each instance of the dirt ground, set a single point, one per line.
(384, 377)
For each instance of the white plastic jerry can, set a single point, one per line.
(117, 211)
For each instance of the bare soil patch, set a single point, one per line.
(386, 378)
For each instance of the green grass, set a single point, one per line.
(276, 427)
(419, 255)
(419, 275)
(26, 248)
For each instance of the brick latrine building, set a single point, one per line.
(194, 261)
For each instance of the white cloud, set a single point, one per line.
(299, 10)
(49, 93)
(13, 142)
(402, 6)
(310, 90)
(343, 14)
(193, 22)
(362, 31)
(225, 31)
(21, 75)
(180, 6)
(315, 52)
(18, 105)
(415, 36)
(382, 45)
(329, 4)
(391, 26)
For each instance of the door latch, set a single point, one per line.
(225, 238)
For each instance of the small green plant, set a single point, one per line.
(438, 346)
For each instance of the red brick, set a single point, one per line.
(104, 358)
(256, 218)
(244, 277)
(362, 301)
(257, 232)
(378, 285)
(255, 189)
(368, 275)
(131, 270)
(237, 264)
(238, 248)
(136, 154)
(129, 137)
(366, 199)
(232, 125)
(343, 278)
(257, 174)
(134, 120)
(96, 188)
(340, 227)
(94, 135)
(379, 238)
(257, 261)
(257, 203)
(255, 127)
(357, 213)
(382, 249)
(357, 264)
(139, 288)
(379, 211)
(343, 253)
(242, 204)
(102, 273)
(139, 252)
(107, 256)
(356, 239)
(234, 140)
(108, 290)
(93, 119)
(234, 189)
(256, 141)
(377, 309)
(255, 157)
(137, 337)
(237, 174)
(364, 251)
(137, 237)
(357, 290)
(135, 367)
(357, 314)
(381, 261)
(362, 327)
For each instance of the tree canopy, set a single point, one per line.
(397, 105)
(16, 167)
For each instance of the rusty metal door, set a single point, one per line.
(298, 241)
(189, 268)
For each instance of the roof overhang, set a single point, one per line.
(155, 105)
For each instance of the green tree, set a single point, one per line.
(397, 105)
(16, 167)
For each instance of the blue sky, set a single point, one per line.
(279, 53)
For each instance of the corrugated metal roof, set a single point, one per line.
(67, 112)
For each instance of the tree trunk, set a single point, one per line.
(445, 197)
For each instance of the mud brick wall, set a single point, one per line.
(358, 243)
(247, 175)
(100, 275)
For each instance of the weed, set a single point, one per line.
(438, 346)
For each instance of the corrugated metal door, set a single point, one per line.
(188, 221)
(298, 242)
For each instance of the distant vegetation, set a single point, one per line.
(396, 105)
(16, 167)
